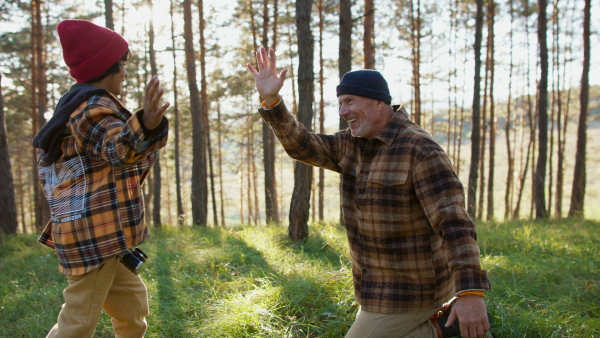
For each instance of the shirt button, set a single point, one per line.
(387, 181)
(484, 279)
(353, 172)
(364, 271)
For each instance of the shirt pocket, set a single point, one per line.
(387, 178)
(386, 188)
(386, 196)
(64, 187)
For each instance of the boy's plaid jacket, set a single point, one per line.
(95, 187)
(412, 243)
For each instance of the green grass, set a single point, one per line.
(253, 282)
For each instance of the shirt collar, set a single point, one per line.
(392, 128)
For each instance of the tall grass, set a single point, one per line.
(253, 282)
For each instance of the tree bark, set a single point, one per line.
(180, 212)
(271, 205)
(199, 187)
(369, 34)
(205, 109)
(156, 172)
(220, 143)
(321, 185)
(300, 205)
(540, 170)
(508, 125)
(108, 14)
(475, 141)
(8, 206)
(344, 62)
(42, 208)
(490, 187)
(578, 190)
(415, 38)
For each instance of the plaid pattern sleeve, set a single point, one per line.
(315, 149)
(104, 129)
(95, 188)
(412, 244)
(441, 195)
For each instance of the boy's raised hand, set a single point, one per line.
(153, 111)
(268, 83)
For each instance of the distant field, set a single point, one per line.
(252, 282)
(285, 180)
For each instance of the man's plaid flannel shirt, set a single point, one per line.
(95, 188)
(412, 244)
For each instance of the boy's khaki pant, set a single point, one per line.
(394, 325)
(112, 288)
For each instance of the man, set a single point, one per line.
(94, 156)
(412, 244)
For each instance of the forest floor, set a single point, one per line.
(253, 282)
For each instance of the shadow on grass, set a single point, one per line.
(168, 301)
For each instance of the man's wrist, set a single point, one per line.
(270, 101)
(471, 292)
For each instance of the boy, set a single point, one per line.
(93, 157)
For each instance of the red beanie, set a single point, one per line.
(88, 49)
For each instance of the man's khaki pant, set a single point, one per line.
(394, 325)
(112, 288)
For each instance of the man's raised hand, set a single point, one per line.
(268, 83)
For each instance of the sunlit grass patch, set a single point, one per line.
(255, 282)
(544, 277)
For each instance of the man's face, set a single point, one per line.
(366, 117)
(115, 81)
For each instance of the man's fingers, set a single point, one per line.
(451, 318)
(272, 61)
(265, 57)
(252, 69)
(282, 74)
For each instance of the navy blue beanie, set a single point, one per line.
(366, 83)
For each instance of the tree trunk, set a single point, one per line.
(108, 14)
(37, 191)
(271, 206)
(220, 141)
(578, 190)
(205, 108)
(180, 212)
(415, 38)
(483, 131)
(540, 170)
(563, 112)
(490, 187)
(8, 207)
(369, 35)
(156, 173)
(321, 185)
(344, 62)
(345, 48)
(199, 188)
(508, 126)
(21, 189)
(475, 141)
(42, 208)
(249, 155)
(299, 208)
